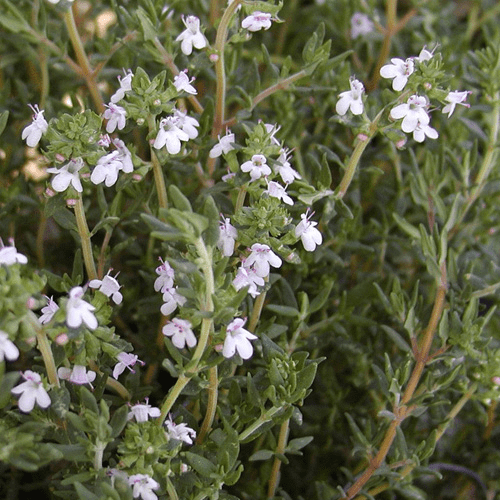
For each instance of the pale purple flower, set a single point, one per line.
(413, 112)
(454, 98)
(104, 140)
(170, 135)
(361, 24)
(125, 86)
(66, 175)
(257, 21)
(125, 360)
(284, 169)
(77, 375)
(261, 259)
(423, 130)
(238, 339)
(116, 116)
(171, 300)
(78, 311)
(48, 311)
(183, 83)
(399, 70)
(125, 156)
(31, 391)
(142, 412)
(224, 145)
(257, 167)
(143, 486)
(180, 432)
(186, 123)
(351, 99)
(181, 333)
(165, 278)
(227, 237)
(34, 131)
(246, 276)
(109, 286)
(191, 36)
(276, 190)
(8, 349)
(307, 232)
(9, 255)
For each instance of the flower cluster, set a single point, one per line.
(174, 129)
(164, 283)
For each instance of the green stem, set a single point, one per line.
(265, 417)
(161, 189)
(172, 493)
(99, 452)
(241, 198)
(112, 383)
(211, 405)
(83, 231)
(256, 311)
(280, 449)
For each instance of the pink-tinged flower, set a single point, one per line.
(247, 277)
(191, 36)
(66, 175)
(107, 169)
(186, 123)
(125, 156)
(284, 169)
(109, 286)
(261, 258)
(224, 145)
(8, 349)
(276, 190)
(257, 167)
(227, 237)
(116, 116)
(171, 300)
(183, 83)
(31, 391)
(143, 486)
(413, 112)
(34, 131)
(142, 412)
(180, 432)
(307, 232)
(170, 135)
(399, 70)
(351, 99)
(9, 255)
(181, 333)
(125, 360)
(257, 21)
(165, 278)
(238, 339)
(361, 24)
(125, 86)
(78, 311)
(48, 311)
(454, 98)
(422, 131)
(77, 375)
(104, 141)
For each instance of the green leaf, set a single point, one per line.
(396, 338)
(4, 116)
(261, 455)
(178, 199)
(147, 27)
(283, 310)
(119, 420)
(299, 443)
(200, 464)
(83, 493)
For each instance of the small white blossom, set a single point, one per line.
(238, 339)
(78, 311)
(257, 167)
(34, 131)
(261, 258)
(8, 349)
(183, 83)
(125, 156)
(170, 135)
(143, 486)
(109, 286)
(165, 278)
(224, 145)
(413, 112)
(78, 375)
(399, 70)
(57, 1)
(423, 130)
(104, 141)
(142, 412)
(125, 86)
(351, 99)
(272, 129)
(454, 98)
(125, 360)
(257, 21)
(9, 255)
(227, 237)
(307, 232)
(48, 311)
(180, 432)
(66, 175)
(284, 169)
(107, 169)
(246, 276)
(191, 36)
(171, 300)
(181, 333)
(186, 123)
(361, 24)
(116, 116)
(276, 190)
(31, 391)
(425, 55)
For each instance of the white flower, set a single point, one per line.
(224, 145)
(34, 131)
(191, 36)
(66, 175)
(399, 70)
(32, 391)
(170, 135)
(125, 360)
(125, 86)
(413, 112)
(307, 232)
(183, 83)
(276, 190)
(455, 98)
(9, 255)
(246, 276)
(272, 129)
(116, 116)
(165, 278)
(351, 99)
(8, 349)
(143, 486)
(180, 432)
(48, 311)
(181, 333)
(142, 412)
(361, 24)
(57, 1)
(422, 130)
(171, 300)
(227, 237)
(78, 311)
(186, 123)
(284, 169)
(261, 258)
(107, 169)
(78, 375)
(425, 55)
(257, 21)
(125, 156)
(109, 286)
(257, 167)
(238, 339)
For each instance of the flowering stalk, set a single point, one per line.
(265, 417)
(213, 390)
(256, 311)
(161, 189)
(83, 231)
